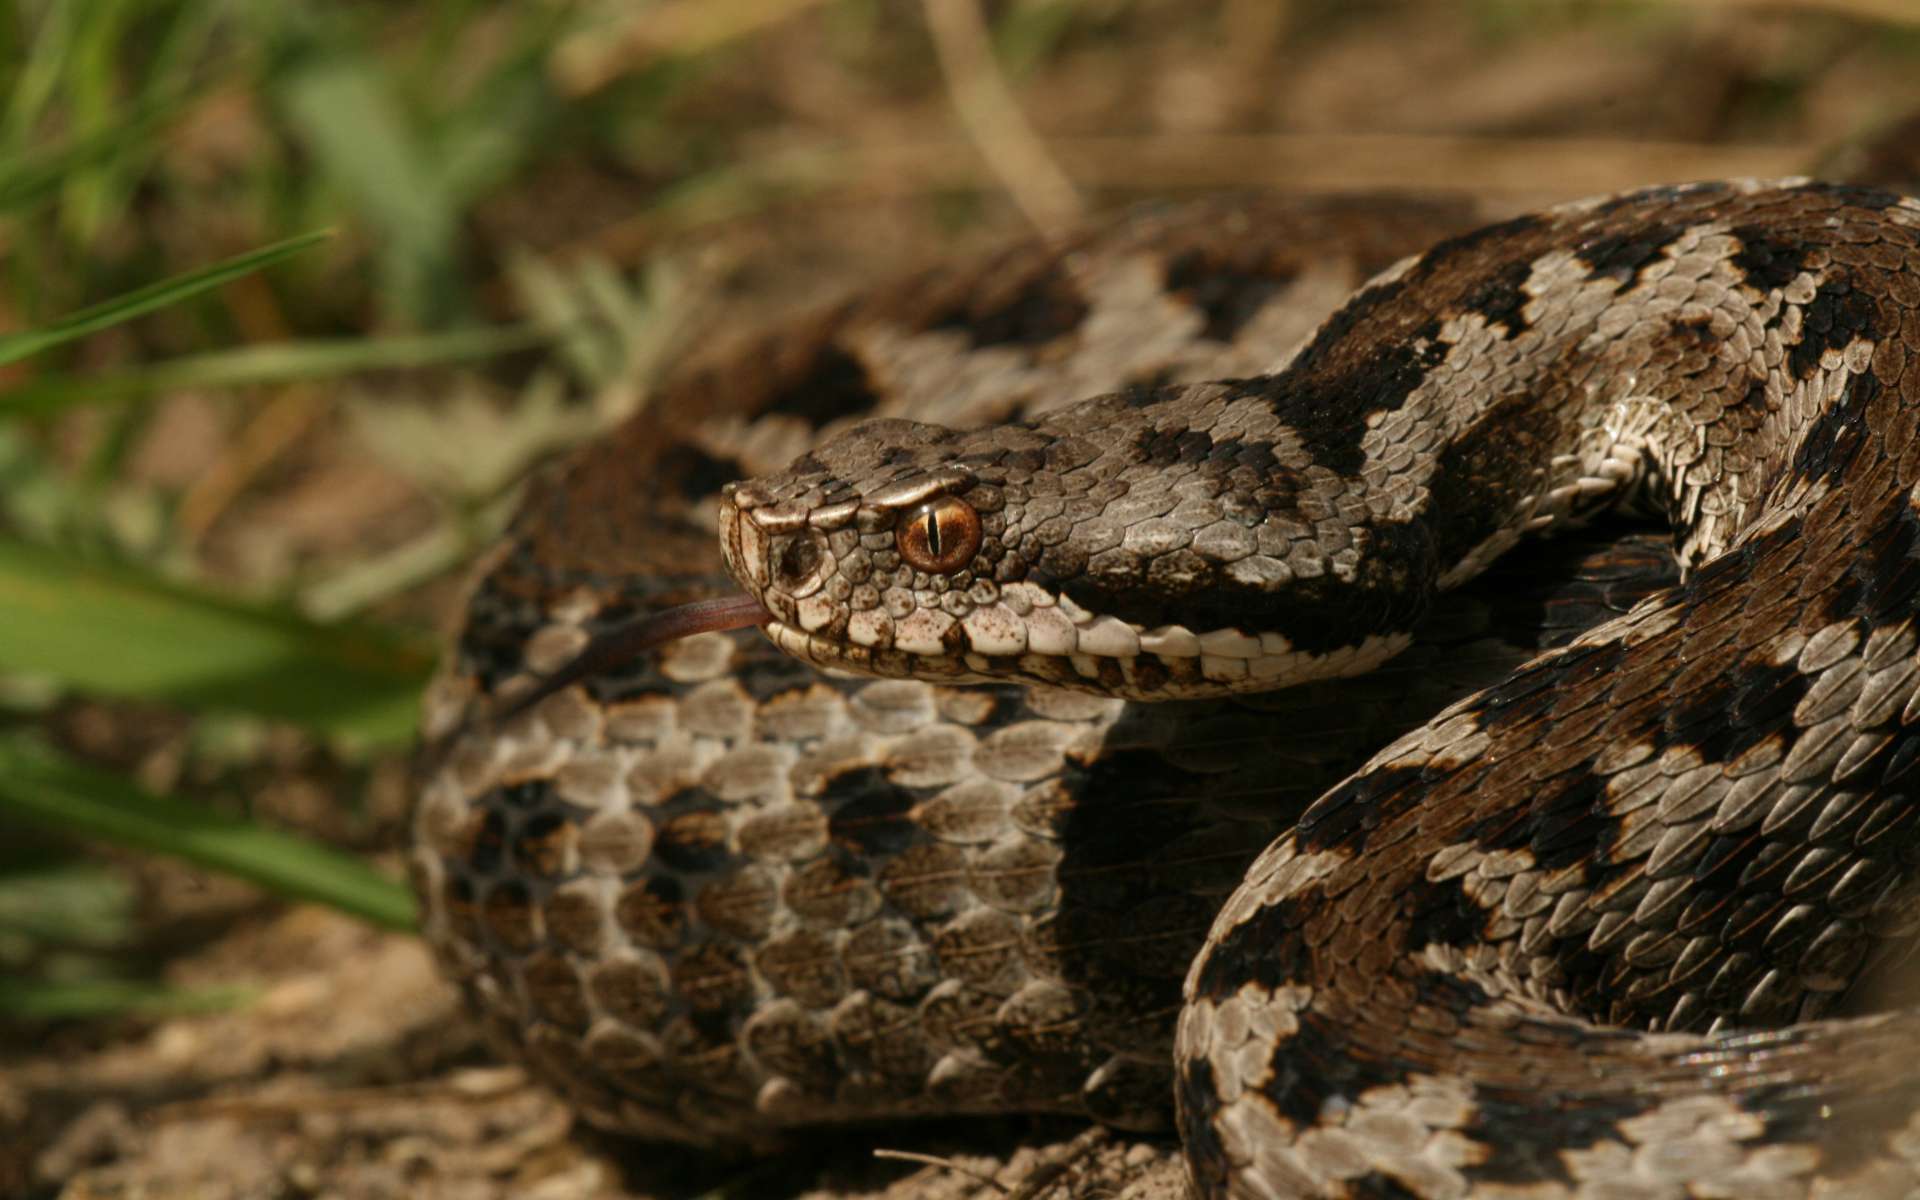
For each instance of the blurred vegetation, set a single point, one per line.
(497, 177)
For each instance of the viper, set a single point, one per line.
(1612, 911)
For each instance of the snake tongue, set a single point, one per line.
(624, 643)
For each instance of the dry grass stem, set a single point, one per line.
(588, 61)
(1503, 170)
(1897, 12)
(991, 116)
(944, 1164)
(269, 432)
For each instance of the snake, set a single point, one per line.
(1282, 743)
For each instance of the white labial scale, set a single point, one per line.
(1051, 632)
(922, 632)
(995, 629)
(1109, 637)
(870, 627)
(1228, 643)
(1171, 641)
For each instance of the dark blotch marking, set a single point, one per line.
(1500, 298)
(1441, 914)
(869, 812)
(1227, 294)
(1767, 260)
(1530, 692)
(488, 849)
(1882, 580)
(1836, 437)
(1187, 447)
(1378, 347)
(1755, 701)
(1620, 256)
(1455, 251)
(1856, 194)
(832, 385)
(1332, 423)
(1266, 950)
(1697, 329)
(1317, 1064)
(1323, 1060)
(1042, 307)
(1341, 819)
(693, 838)
(1566, 815)
(1525, 1148)
(1565, 822)
(1347, 373)
(1164, 448)
(1600, 580)
(1482, 470)
(528, 794)
(1375, 1186)
(1837, 314)
(1199, 1105)
(1451, 994)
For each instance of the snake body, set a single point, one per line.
(1594, 928)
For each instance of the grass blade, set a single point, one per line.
(73, 905)
(50, 1000)
(122, 632)
(16, 346)
(40, 785)
(269, 363)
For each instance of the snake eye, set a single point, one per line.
(940, 536)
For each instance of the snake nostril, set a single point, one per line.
(798, 560)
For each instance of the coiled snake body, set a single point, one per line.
(1597, 928)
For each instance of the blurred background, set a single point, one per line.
(242, 468)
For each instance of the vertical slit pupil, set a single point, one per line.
(933, 533)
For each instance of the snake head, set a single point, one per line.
(1068, 551)
(877, 553)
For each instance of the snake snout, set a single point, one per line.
(778, 560)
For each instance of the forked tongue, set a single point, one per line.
(623, 643)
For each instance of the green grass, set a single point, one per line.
(349, 119)
(114, 630)
(198, 143)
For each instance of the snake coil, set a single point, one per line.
(1593, 923)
